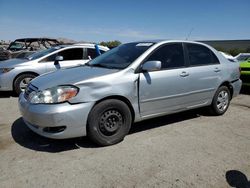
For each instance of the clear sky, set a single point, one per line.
(125, 20)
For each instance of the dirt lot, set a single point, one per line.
(188, 149)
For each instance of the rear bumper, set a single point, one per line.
(236, 87)
(42, 117)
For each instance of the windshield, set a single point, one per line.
(16, 46)
(42, 53)
(121, 56)
(243, 57)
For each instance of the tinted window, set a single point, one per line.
(170, 55)
(92, 53)
(72, 54)
(200, 55)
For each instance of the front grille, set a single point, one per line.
(30, 88)
(245, 78)
(245, 69)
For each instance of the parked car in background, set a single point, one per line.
(245, 72)
(242, 57)
(130, 83)
(15, 74)
(26, 46)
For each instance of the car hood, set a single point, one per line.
(10, 63)
(69, 76)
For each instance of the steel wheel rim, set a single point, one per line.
(24, 83)
(110, 122)
(222, 101)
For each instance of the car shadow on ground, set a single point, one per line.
(28, 139)
(7, 94)
(237, 179)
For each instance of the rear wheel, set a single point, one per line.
(220, 101)
(22, 81)
(109, 122)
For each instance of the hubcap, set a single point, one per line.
(110, 122)
(222, 101)
(24, 83)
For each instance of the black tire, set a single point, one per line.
(109, 122)
(22, 78)
(222, 97)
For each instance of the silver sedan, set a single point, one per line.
(130, 83)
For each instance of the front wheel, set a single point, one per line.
(22, 82)
(220, 101)
(109, 122)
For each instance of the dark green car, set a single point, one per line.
(245, 72)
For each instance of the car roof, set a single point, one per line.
(91, 45)
(169, 40)
(88, 44)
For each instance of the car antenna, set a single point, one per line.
(190, 32)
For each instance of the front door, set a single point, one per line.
(164, 91)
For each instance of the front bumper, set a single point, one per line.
(39, 117)
(6, 81)
(245, 77)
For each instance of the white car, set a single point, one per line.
(15, 74)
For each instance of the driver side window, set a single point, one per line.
(72, 54)
(170, 55)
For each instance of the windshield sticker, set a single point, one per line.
(144, 44)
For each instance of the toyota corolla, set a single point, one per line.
(130, 83)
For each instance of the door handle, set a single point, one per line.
(216, 69)
(184, 74)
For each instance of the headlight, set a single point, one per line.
(5, 70)
(57, 94)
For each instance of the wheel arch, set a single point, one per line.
(121, 98)
(229, 86)
(22, 73)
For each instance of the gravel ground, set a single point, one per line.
(190, 149)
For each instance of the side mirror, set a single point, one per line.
(59, 58)
(151, 66)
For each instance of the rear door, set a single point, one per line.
(204, 74)
(165, 90)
